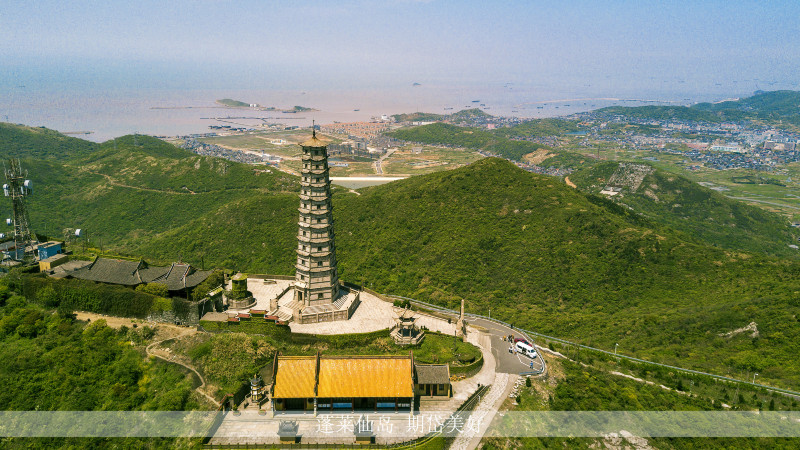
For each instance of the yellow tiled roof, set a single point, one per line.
(365, 377)
(313, 142)
(295, 377)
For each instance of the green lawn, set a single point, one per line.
(234, 351)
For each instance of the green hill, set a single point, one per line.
(19, 141)
(473, 138)
(697, 211)
(539, 128)
(541, 255)
(773, 107)
(469, 115)
(133, 187)
(417, 117)
(233, 103)
(534, 251)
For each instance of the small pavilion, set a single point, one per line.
(406, 331)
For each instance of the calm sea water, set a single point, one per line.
(109, 105)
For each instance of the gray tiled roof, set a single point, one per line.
(130, 273)
(114, 271)
(180, 275)
(432, 373)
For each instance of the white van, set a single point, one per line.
(526, 349)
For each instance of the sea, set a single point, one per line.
(102, 106)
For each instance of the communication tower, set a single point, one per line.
(18, 187)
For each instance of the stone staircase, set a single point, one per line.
(286, 310)
(284, 313)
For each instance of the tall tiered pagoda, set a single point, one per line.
(318, 297)
(316, 279)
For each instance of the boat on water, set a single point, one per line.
(476, 101)
(356, 110)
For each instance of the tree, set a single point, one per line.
(48, 296)
(66, 311)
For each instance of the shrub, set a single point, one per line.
(161, 304)
(157, 289)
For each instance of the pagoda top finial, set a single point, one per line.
(313, 141)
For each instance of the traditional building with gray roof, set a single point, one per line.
(177, 277)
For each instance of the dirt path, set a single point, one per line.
(164, 332)
(152, 351)
(117, 183)
(570, 183)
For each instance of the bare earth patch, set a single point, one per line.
(537, 157)
(752, 327)
(163, 330)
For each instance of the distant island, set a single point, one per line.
(231, 103)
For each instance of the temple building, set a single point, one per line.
(318, 295)
(325, 384)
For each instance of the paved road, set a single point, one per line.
(506, 362)
(750, 199)
(378, 168)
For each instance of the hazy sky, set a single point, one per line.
(400, 41)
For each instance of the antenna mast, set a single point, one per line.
(25, 241)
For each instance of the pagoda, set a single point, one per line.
(316, 278)
(317, 294)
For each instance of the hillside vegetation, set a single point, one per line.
(472, 138)
(417, 117)
(534, 251)
(697, 211)
(551, 258)
(508, 142)
(127, 190)
(539, 128)
(233, 103)
(51, 362)
(773, 107)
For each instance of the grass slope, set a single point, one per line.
(19, 141)
(697, 211)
